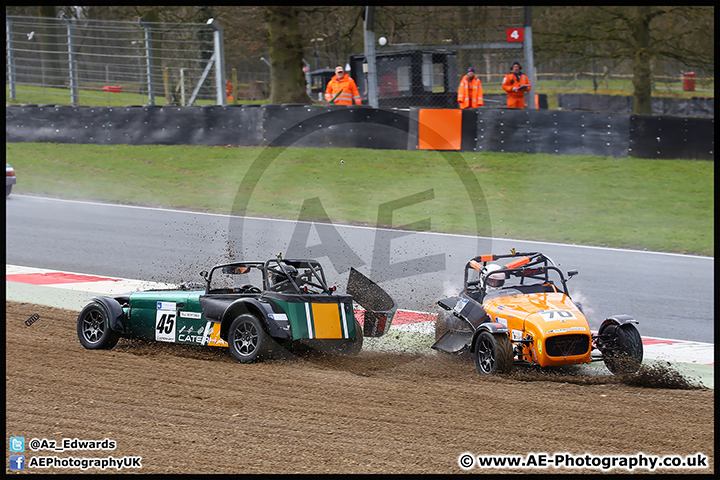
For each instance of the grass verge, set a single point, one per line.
(659, 205)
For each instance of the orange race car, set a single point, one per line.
(522, 313)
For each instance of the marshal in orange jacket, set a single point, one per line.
(346, 88)
(521, 84)
(470, 93)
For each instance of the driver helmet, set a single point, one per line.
(493, 278)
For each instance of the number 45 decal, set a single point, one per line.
(555, 315)
(165, 326)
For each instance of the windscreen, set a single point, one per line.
(236, 276)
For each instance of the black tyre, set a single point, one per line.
(623, 349)
(8, 189)
(246, 338)
(493, 353)
(93, 328)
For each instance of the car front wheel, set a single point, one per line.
(93, 328)
(623, 351)
(493, 353)
(246, 338)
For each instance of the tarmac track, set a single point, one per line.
(672, 296)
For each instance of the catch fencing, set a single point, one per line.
(81, 62)
(608, 81)
(89, 62)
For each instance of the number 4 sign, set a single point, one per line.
(515, 34)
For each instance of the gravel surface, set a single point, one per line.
(195, 410)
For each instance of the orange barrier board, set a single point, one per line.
(439, 129)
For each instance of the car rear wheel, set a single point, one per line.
(93, 328)
(246, 338)
(8, 189)
(623, 351)
(493, 353)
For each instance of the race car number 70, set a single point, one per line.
(553, 315)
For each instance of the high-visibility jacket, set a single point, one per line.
(346, 88)
(516, 99)
(470, 93)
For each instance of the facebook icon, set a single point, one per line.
(17, 462)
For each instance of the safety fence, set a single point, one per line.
(81, 62)
(606, 80)
(92, 62)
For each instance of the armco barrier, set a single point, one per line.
(583, 133)
(482, 130)
(134, 125)
(547, 131)
(671, 137)
(334, 126)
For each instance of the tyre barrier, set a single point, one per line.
(481, 130)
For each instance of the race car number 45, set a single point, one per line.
(165, 326)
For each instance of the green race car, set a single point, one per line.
(248, 307)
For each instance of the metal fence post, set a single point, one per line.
(219, 47)
(529, 62)
(107, 79)
(369, 37)
(182, 87)
(166, 85)
(236, 87)
(149, 61)
(11, 58)
(72, 67)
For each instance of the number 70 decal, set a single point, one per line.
(555, 315)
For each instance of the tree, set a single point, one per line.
(287, 80)
(52, 34)
(642, 35)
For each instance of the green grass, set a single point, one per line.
(94, 96)
(659, 205)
